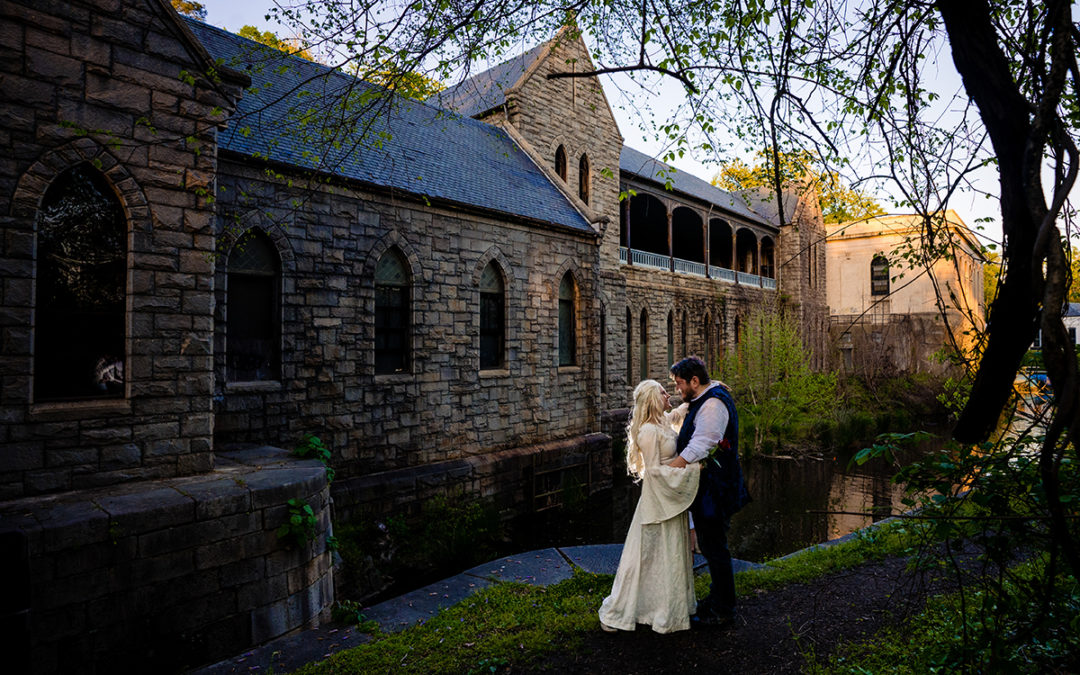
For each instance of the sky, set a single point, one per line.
(627, 98)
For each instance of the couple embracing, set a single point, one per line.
(688, 463)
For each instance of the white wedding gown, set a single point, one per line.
(655, 581)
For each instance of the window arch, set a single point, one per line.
(253, 310)
(879, 276)
(603, 349)
(492, 317)
(629, 348)
(584, 178)
(670, 338)
(392, 284)
(80, 289)
(706, 334)
(560, 162)
(643, 356)
(567, 321)
(685, 332)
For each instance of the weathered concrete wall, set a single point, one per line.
(100, 83)
(883, 346)
(162, 574)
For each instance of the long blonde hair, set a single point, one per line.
(648, 407)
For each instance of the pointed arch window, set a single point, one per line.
(560, 162)
(253, 310)
(584, 179)
(392, 284)
(879, 276)
(643, 328)
(670, 338)
(492, 317)
(80, 289)
(567, 321)
(629, 348)
(685, 335)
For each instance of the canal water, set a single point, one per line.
(797, 502)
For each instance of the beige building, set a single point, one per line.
(889, 311)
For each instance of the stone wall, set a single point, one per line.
(446, 408)
(171, 573)
(873, 346)
(100, 83)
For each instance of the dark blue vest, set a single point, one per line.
(723, 490)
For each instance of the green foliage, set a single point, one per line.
(349, 611)
(291, 46)
(839, 202)
(190, 8)
(779, 396)
(312, 447)
(301, 525)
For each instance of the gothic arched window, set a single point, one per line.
(879, 276)
(583, 178)
(567, 321)
(391, 313)
(81, 289)
(670, 338)
(253, 310)
(492, 321)
(560, 162)
(644, 355)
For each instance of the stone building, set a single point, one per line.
(198, 267)
(891, 314)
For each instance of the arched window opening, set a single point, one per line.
(746, 251)
(392, 313)
(252, 308)
(629, 348)
(670, 338)
(603, 349)
(720, 251)
(567, 321)
(738, 332)
(648, 224)
(685, 332)
(706, 334)
(584, 178)
(687, 235)
(80, 292)
(768, 257)
(879, 276)
(492, 317)
(560, 162)
(643, 357)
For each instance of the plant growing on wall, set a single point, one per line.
(301, 525)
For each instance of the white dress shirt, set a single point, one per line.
(709, 427)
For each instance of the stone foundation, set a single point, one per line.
(164, 574)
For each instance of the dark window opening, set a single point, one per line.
(648, 224)
(391, 314)
(720, 253)
(629, 348)
(643, 329)
(492, 322)
(560, 162)
(252, 337)
(670, 339)
(687, 235)
(603, 349)
(80, 293)
(768, 257)
(746, 251)
(685, 332)
(584, 179)
(879, 276)
(567, 319)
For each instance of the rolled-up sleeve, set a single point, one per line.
(709, 427)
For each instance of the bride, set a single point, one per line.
(655, 581)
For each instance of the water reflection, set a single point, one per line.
(801, 502)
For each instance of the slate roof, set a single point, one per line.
(642, 165)
(487, 90)
(289, 112)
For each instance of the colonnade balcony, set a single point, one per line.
(659, 261)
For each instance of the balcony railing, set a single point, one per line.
(722, 273)
(663, 262)
(689, 267)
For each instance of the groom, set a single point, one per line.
(711, 421)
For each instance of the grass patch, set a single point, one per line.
(512, 624)
(502, 626)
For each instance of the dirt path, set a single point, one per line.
(771, 628)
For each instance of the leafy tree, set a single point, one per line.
(1074, 274)
(190, 8)
(411, 84)
(839, 202)
(991, 276)
(293, 46)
